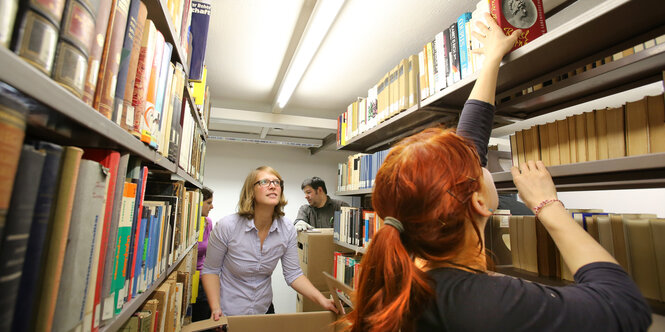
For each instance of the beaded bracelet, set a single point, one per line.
(544, 203)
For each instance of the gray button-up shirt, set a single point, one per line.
(320, 217)
(234, 252)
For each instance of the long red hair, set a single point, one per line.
(425, 182)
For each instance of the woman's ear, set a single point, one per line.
(479, 203)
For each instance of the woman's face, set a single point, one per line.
(267, 189)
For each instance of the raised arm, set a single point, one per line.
(475, 122)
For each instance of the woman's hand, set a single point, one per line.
(216, 314)
(534, 183)
(328, 304)
(495, 44)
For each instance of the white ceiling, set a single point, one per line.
(251, 42)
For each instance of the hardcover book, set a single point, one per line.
(201, 11)
(96, 48)
(78, 26)
(70, 68)
(36, 41)
(79, 264)
(124, 109)
(527, 15)
(34, 257)
(13, 111)
(17, 230)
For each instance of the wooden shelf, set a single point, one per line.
(358, 192)
(130, 307)
(644, 171)
(356, 249)
(607, 27)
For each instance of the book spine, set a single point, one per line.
(36, 41)
(8, 10)
(80, 246)
(201, 11)
(135, 7)
(70, 68)
(110, 61)
(51, 9)
(176, 128)
(150, 114)
(120, 266)
(17, 230)
(96, 49)
(126, 113)
(13, 111)
(454, 56)
(24, 314)
(77, 26)
(143, 71)
(463, 45)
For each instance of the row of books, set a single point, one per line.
(360, 170)
(79, 217)
(87, 237)
(445, 60)
(113, 57)
(166, 308)
(346, 268)
(635, 240)
(355, 226)
(589, 66)
(634, 128)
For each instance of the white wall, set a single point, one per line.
(227, 166)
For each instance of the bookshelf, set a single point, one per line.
(354, 192)
(129, 308)
(356, 249)
(85, 126)
(64, 119)
(607, 28)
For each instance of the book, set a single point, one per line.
(658, 234)
(79, 265)
(36, 41)
(553, 142)
(120, 262)
(57, 234)
(519, 14)
(70, 68)
(543, 138)
(454, 56)
(412, 97)
(572, 138)
(637, 135)
(642, 256)
(463, 45)
(616, 135)
(497, 237)
(656, 115)
(103, 99)
(34, 257)
(77, 26)
(591, 136)
(601, 134)
(547, 256)
(123, 110)
(107, 289)
(142, 80)
(581, 137)
(110, 160)
(150, 117)
(104, 10)
(564, 141)
(17, 229)
(201, 11)
(13, 112)
(8, 9)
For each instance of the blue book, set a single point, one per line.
(34, 256)
(463, 44)
(201, 10)
(139, 263)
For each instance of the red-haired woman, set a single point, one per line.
(426, 269)
(244, 248)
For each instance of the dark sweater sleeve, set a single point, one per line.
(603, 299)
(475, 124)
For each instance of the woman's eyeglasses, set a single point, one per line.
(266, 183)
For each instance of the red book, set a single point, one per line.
(527, 15)
(109, 159)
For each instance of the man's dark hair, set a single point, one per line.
(206, 192)
(316, 183)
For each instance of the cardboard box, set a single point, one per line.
(321, 321)
(304, 304)
(315, 253)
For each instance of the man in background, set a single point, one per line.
(321, 208)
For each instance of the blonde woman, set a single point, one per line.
(243, 250)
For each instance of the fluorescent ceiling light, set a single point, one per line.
(323, 15)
